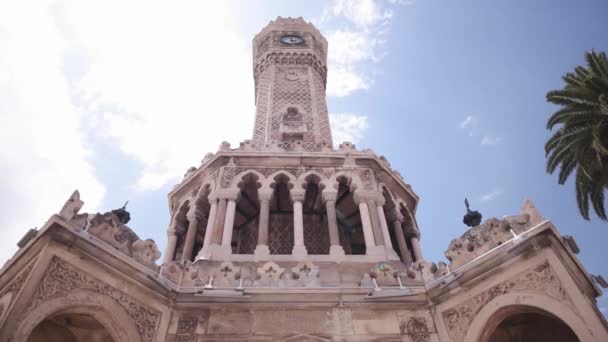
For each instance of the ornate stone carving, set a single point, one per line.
(480, 239)
(269, 274)
(62, 277)
(366, 179)
(17, 284)
(108, 228)
(186, 325)
(146, 252)
(72, 206)
(229, 173)
(539, 279)
(417, 328)
(226, 274)
(384, 274)
(306, 274)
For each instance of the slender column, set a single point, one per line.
(229, 224)
(368, 233)
(264, 215)
(395, 220)
(376, 227)
(219, 222)
(298, 224)
(205, 253)
(170, 250)
(388, 245)
(416, 248)
(332, 222)
(190, 235)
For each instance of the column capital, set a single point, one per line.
(329, 196)
(265, 194)
(212, 197)
(411, 231)
(229, 194)
(297, 195)
(393, 215)
(361, 196)
(193, 213)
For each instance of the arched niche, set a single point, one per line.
(246, 219)
(507, 309)
(77, 313)
(348, 216)
(180, 227)
(316, 230)
(280, 222)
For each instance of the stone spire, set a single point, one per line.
(290, 73)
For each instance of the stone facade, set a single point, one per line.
(285, 238)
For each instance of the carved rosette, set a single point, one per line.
(540, 279)
(61, 277)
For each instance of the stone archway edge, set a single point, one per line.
(126, 318)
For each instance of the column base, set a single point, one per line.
(205, 253)
(261, 252)
(336, 252)
(221, 252)
(299, 251)
(391, 254)
(375, 251)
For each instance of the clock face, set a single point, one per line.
(292, 39)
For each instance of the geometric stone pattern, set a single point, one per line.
(539, 279)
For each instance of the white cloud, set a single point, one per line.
(492, 195)
(347, 127)
(354, 31)
(489, 140)
(161, 79)
(363, 13)
(44, 153)
(469, 124)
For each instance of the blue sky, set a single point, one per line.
(118, 99)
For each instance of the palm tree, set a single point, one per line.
(581, 141)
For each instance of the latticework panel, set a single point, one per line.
(322, 115)
(292, 87)
(316, 234)
(248, 238)
(280, 233)
(261, 115)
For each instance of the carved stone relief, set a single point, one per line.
(108, 228)
(61, 278)
(539, 279)
(478, 240)
(269, 274)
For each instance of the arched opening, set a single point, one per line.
(316, 229)
(246, 221)
(389, 212)
(72, 327)
(521, 323)
(180, 225)
(280, 222)
(349, 220)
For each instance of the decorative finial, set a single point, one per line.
(472, 217)
(123, 215)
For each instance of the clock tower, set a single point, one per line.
(290, 73)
